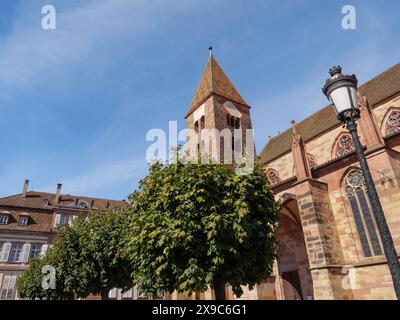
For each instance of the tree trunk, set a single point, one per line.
(219, 290)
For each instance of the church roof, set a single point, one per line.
(376, 90)
(214, 81)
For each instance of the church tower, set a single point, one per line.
(217, 107)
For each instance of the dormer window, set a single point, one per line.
(45, 202)
(4, 218)
(83, 204)
(23, 220)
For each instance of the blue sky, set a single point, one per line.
(76, 102)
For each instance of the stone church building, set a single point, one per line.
(330, 246)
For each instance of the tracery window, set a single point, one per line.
(393, 123)
(273, 176)
(357, 196)
(344, 146)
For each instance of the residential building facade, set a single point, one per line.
(29, 222)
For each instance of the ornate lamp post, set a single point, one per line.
(341, 90)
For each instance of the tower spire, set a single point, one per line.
(214, 81)
(210, 48)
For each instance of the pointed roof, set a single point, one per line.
(214, 81)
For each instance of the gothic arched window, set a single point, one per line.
(273, 176)
(393, 123)
(196, 126)
(356, 193)
(344, 146)
(202, 122)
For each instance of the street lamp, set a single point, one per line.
(341, 90)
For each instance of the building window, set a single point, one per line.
(232, 121)
(15, 252)
(357, 196)
(7, 289)
(196, 126)
(35, 250)
(63, 219)
(202, 122)
(393, 123)
(23, 221)
(237, 123)
(3, 219)
(273, 176)
(344, 146)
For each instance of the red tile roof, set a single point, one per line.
(379, 88)
(44, 200)
(214, 81)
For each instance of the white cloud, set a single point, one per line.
(30, 56)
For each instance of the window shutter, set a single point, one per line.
(5, 252)
(44, 249)
(6, 283)
(13, 279)
(26, 250)
(72, 220)
(112, 293)
(57, 220)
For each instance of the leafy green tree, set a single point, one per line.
(195, 225)
(87, 260)
(29, 284)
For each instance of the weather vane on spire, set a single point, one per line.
(210, 49)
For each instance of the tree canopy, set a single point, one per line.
(196, 225)
(86, 258)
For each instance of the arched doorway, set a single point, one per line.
(294, 281)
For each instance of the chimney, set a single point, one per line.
(25, 190)
(58, 195)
